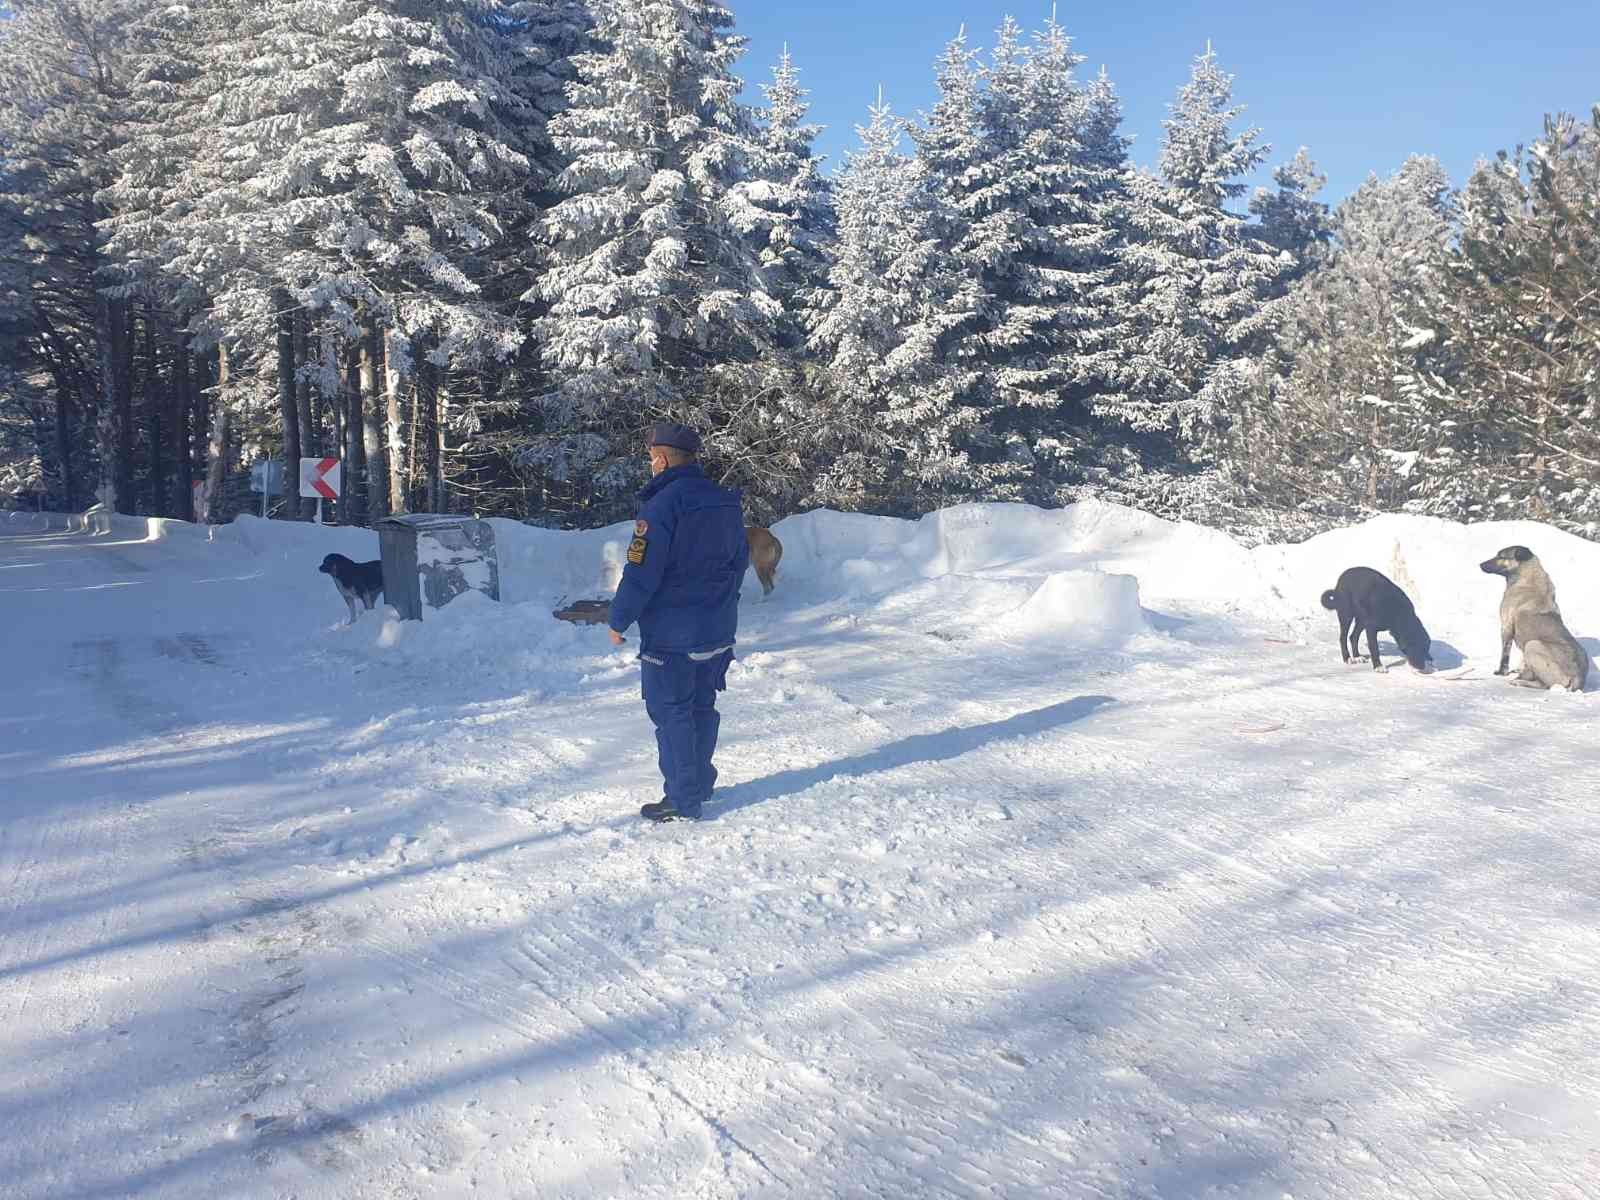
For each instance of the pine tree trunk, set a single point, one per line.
(355, 455)
(203, 369)
(426, 419)
(113, 423)
(447, 498)
(394, 428)
(333, 426)
(156, 402)
(1372, 465)
(183, 454)
(489, 383)
(310, 431)
(217, 447)
(44, 448)
(63, 431)
(371, 423)
(288, 410)
(310, 435)
(122, 383)
(1546, 390)
(68, 494)
(411, 447)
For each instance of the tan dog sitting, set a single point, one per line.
(765, 551)
(1551, 656)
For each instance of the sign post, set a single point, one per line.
(319, 477)
(266, 477)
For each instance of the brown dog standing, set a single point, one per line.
(765, 551)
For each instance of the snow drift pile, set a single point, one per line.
(1091, 574)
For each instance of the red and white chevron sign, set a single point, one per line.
(319, 477)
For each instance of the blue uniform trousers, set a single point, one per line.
(680, 695)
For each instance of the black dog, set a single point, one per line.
(1367, 600)
(355, 581)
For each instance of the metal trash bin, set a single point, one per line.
(429, 560)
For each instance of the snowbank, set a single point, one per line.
(299, 542)
(991, 558)
(102, 522)
(506, 648)
(28, 522)
(1077, 575)
(858, 557)
(1436, 562)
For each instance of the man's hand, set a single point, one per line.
(616, 638)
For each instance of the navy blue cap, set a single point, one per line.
(679, 437)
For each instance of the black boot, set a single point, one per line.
(662, 811)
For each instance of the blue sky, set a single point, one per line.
(1361, 84)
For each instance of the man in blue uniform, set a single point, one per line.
(681, 583)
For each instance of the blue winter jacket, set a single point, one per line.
(685, 565)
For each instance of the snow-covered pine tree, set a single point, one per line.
(399, 167)
(1522, 311)
(858, 321)
(1204, 277)
(893, 290)
(950, 142)
(1397, 241)
(1102, 144)
(1258, 454)
(1060, 295)
(647, 284)
(1293, 219)
(1008, 199)
(160, 172)
(1116, 459)
(356, 158)
(488, 407)
(782, 201)
(944, 390)
(547, 34)
(779, 439)
(63, 68)
(1361, 420)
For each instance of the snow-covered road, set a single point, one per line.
(990, 906)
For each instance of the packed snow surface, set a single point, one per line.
(1056, 854)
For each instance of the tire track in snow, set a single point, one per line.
(192, 649)
(899, 1115)
(537, 961)
(562, 955)
(101, 663)
(25, 847)
(1406, 1123)
(601, 997)
(900, 1120)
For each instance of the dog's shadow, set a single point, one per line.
(1445, 656)
(1164, 622)
(1592, 645)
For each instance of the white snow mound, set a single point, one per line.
(1080, 606)
(856, 557)
(1076, 575)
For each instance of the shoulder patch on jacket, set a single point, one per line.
(640, 528)
(637, 549)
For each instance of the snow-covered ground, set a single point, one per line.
(1058, 856)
